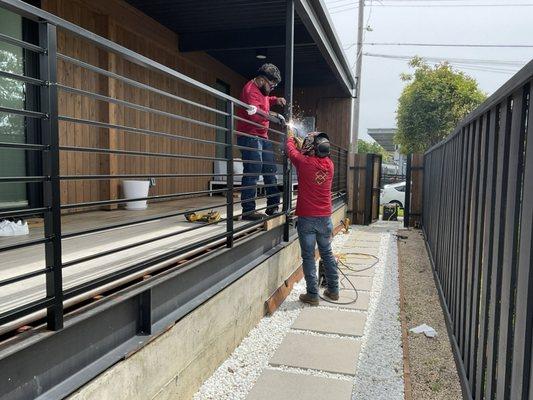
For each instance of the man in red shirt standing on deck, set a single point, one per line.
(313, 208)
(254, 145)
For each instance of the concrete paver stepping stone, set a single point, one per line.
(351, 256)
(347, 295)
(368, 240)
(337, 322)
(372, 250)
(335, 355)
(280, 385)
(358, 281)
(358, 269)
(364, 237)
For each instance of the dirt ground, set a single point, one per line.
(433, 374)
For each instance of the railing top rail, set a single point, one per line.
(519, 79)
(36, 14)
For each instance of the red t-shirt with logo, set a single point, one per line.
(252, 95)
(315, 177)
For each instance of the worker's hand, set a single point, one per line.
(280, 101)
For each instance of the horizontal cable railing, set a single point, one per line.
(477, 219)
(132, 120)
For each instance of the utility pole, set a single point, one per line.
(354, 133)
(358, 67)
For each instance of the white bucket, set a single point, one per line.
(135, 190)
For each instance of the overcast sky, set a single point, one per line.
(381, 84)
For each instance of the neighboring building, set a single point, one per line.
(385, 138)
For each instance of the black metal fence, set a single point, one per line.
(478, 219)
(52, 291)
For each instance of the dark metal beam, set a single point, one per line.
(289, 75)
(240, 39)
(50, 166)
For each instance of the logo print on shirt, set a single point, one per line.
(320, 177)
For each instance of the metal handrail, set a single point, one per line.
(49, 119)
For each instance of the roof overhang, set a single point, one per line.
(232, 31)
(316, 19)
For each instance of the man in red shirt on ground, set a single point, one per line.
(255, 145)
(313, 208)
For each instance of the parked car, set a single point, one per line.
(393, 193)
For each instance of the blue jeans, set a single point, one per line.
(265, 165)
(312, 231)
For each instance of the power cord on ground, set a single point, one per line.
(339, 261)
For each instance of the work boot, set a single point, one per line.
(308, 299)
(253, 216)
(331, 295)
(271, 210)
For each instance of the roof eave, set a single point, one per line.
(315, 17)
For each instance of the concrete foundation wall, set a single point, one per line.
(175, 364)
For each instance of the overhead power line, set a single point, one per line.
(434, 1)
(347, 7)
(508, 63)
(457, 5)
(517, 46)
(496, 66)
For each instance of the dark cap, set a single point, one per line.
(271, 72)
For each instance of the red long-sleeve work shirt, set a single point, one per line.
(315, 177)
(252, 95)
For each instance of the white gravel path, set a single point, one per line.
(380, 368)
(380, 363)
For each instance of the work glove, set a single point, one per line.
(282, 121)
(290, 133)
(298, 141)
(251, 110)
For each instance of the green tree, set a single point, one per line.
(364, 147)
(11, 94)
(432, 104)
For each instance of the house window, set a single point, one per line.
(12, 127)
(221, 119)
(17, 128)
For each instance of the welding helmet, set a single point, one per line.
(316, 144)
(271, 72)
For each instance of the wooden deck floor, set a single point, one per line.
(24, 260)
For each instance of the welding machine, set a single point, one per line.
(390, 212)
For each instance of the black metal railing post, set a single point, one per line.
(51, 186)
(229, 172)
(289, 70)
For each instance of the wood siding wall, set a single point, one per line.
(125, 25)
(121, 23)
(331, 109)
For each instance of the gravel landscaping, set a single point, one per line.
(380, 369)
(379, 372)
